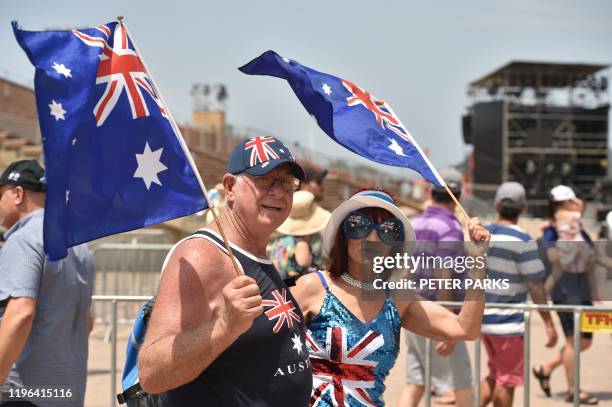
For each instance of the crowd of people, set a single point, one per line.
(281, 318)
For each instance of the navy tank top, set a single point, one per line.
(268, 365)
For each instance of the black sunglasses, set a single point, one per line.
(358, 225)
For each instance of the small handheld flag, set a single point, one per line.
(114, 159)
(348, 114)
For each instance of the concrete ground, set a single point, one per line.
(596, 369)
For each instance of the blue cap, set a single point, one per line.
(260, 155)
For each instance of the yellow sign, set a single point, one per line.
(596, 321)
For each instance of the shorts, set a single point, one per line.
(567, 323)
(506, 360)
(567, 318)
(452, 372)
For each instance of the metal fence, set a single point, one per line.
(577, 310)
(111, 336)
(126, 269)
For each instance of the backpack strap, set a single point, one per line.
(129, 394)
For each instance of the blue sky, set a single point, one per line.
(418, 56)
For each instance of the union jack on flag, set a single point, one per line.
(349, 115)
(282, 311)
(114, 158)
(383, 114)
(261, 150)
(342, 372)
(121, 69)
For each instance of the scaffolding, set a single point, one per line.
(540, 124)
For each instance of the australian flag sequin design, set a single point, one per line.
(350, 359)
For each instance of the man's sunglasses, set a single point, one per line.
(358, 225)
(288, 183)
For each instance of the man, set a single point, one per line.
(208, 342)
(513, 256)
(313, 182)
(44, 306)
(441, 233)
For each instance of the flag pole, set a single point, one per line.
(430, 165)
(179, 136)
(454, 198)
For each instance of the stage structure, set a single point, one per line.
(540, 124)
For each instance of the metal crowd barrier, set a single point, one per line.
(577, 310)
(112, 335)
(127, 269)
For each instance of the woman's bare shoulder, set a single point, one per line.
(311, 283)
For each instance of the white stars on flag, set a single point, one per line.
(62, 70)
(57, 110)
(67, 196)
(149, 165)
(394, 146)
(297, 344)
(326, 89)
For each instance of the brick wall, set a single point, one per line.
(17, 100)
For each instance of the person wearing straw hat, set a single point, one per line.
(209, 341)
(353, 341)
(298, 249)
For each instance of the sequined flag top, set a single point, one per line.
(350, 359)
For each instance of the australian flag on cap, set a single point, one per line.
(260, 155)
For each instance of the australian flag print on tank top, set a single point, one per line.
(268, 365)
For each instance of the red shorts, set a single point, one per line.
(505, 359)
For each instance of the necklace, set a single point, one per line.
(356, 283)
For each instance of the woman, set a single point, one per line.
(297, 249)
(354, 343)
(571, 256)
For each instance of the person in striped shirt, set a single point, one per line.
(513, 256)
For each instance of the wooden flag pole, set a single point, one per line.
(454, 198)
(179, 136)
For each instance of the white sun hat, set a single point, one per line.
(366, 199)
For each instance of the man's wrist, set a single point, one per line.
(223, 332)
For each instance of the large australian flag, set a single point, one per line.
(351, 116)
(114, 161)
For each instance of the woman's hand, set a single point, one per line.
(445, 348)
(479, 238)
